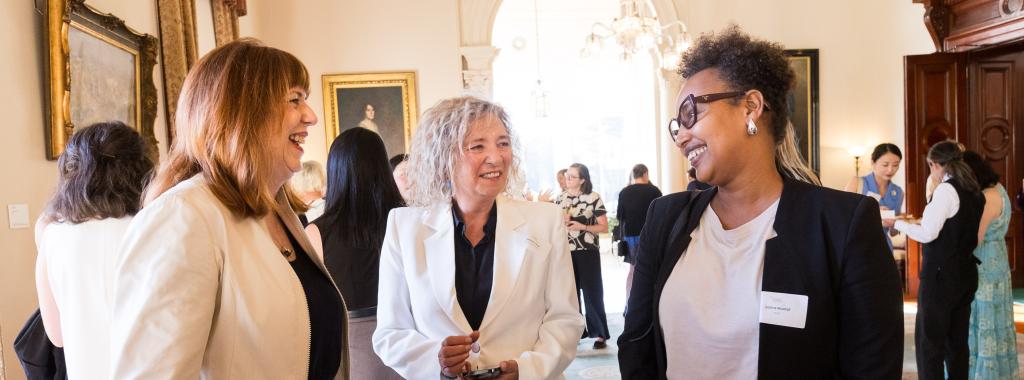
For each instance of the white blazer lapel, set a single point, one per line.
(510, 244)
(439, 253)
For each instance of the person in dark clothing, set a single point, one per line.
(694, 184)
(632, 213)
(949, 270)
(360, 194)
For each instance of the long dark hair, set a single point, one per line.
(360, 188)
(103, 171)
(950, 155)
(587, 187)
(983, 172)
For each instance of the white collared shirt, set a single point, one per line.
(944, 205)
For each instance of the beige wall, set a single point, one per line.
(861, 46)
(28, 176)
(332, 36)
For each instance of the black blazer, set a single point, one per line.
(829, 247)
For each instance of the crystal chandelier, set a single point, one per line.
(637, 30)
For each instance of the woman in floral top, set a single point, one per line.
(585, 218)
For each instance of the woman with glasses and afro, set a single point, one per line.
(765, 275)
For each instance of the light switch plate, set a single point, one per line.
(17, 215)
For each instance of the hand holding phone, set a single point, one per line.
(488, 373)
(454, 352)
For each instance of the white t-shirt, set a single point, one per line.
(709, 306)
(80, 262)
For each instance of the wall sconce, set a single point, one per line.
(856, 152)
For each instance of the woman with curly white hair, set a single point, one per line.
(470, 280)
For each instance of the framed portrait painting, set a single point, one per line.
(382, 102)
(99, 70)
(803, 104)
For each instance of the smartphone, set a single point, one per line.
(488, 373)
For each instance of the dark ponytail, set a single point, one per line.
(950, 154)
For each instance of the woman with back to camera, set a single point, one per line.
(99, 189)
(470, 279)
(885, 162)
(764, 275)
(360, 193)
(949, 272)
(992, 338)
(216, 277)
(585, 217)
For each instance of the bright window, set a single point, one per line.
(601, 109)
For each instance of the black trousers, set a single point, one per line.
(586, 265)
(940, 332)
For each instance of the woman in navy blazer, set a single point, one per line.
(821, 297)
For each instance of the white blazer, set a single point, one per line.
(200, 293)
(532, 317)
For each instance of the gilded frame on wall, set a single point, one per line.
(803, 104)
(98, 69)
(385, 102)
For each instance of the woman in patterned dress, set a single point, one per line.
(992, 337)
(585, 218)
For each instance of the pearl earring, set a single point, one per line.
(751, 128)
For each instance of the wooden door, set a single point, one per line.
(936, 110)
(995, 78)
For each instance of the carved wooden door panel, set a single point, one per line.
(936, 109)
(996, 85)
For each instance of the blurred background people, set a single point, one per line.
(631, 212)
(694, 184)
(765, 275)
(585, 217)
(102, 173)
(216, 277)
(360, 194)
(949, 271)
(885, 162)
(469, 278)
(398, 168)
(992, 337)
(309, 185)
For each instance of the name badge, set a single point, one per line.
(783, 309)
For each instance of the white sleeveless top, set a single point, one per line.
(80, 262)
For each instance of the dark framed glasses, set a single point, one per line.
(687, 115)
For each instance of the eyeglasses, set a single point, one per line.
(570, 176)
(687, 115)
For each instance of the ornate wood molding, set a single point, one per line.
(960, 25)
(178, 33)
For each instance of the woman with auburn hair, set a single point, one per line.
(765, 275)
(217, 278)
(471, 280)
(102, 173)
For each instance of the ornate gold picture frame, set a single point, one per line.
(99, 69)
(382, 102)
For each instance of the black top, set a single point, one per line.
(952, 252)
(633, 203)
(474, 268)
(829, 248)
(325, 316)
(354, 269)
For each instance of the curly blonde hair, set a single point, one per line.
(437, 146)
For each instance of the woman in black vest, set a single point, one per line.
(949, 273)
(360, 193)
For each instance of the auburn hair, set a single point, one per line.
(231, 104)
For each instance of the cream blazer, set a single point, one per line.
(532, 317)
(200, 293)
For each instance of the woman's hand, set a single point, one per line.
(509, 370)
(888, 222)
(575, 226)
(454, 352)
